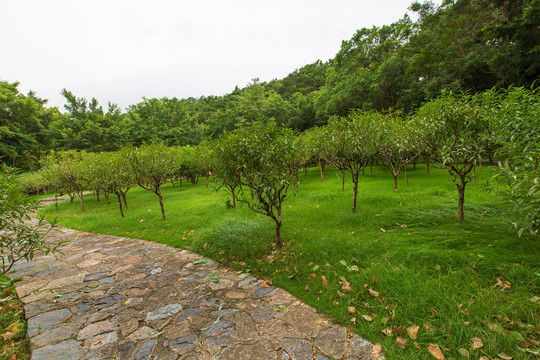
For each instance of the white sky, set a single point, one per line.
(122, 50)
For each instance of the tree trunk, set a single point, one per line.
(233, 197)
(371, 168)
(414, 165)
(395, 182)
(158, 192)
(172, 182)
(321, 170)
(279, 242)
(342, 180)
(461, 201)
(107, 198)
(206, 177)
(82, 199)
(355, 190)
(120, 204)
(427, 167)
(71, 197)
(97, 195)
(124, 198)
(406, 175)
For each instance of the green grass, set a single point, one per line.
(428, 269)
(13, 342)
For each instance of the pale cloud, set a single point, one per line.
(119, 51)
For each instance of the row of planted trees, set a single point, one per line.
(259, 163)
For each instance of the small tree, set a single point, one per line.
(352, 143)
(151, 166)
(258, 157)
(453, 134)
(20, 239)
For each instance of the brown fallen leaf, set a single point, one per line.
(373, 293)
(345, 285)
(535, 299)
(436, 352)
(416, 346)
(340, 294)
(376, 350)
(503, 284)
(7, 336)
(401, 343)
(464, 352)
(307, 288)
(413, 331)
(367, 318)
(351, 309)
(505, 357)
(385, 319)
(312, 276)
(100, 342)
(387, 332)
(483, 358)
(476, 343)
(324, 281)
(353, 320)
(266, 284)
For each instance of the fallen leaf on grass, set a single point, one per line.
(476, 343)
(307, 288)
(484, 358)
(505, 357)
(266, 284)
(376, 350)
(345, 285)
(353, 320)
(324, 281)
(503, 284)
(367, 318)
(13, 326)
(387, 332)
(413, 331)
(374, 293)
(7, 336)
(464, 352)
(385, 320)
(351, 309)
(535, 299)
(436, 352)
(401, 343)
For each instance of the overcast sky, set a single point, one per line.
(122, 50)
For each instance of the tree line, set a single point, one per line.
(463, 46)
(258, 164)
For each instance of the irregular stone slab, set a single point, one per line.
(235, 295)
(96, 329)
(110, 299)
(69, 280)
(163, 312)
(221, 324)
(68, 349)
(87, 264)
(257, 351)
(145, 350)
(261, 290)
(46, 321)
(188, 313)
(55, 335)
(37, 308)
(95, 276)
(221, 339)
(143, 333)
(298, 349)
(248, 282)
(359, 349)
(262, 313)
(107, 280)
(332, 342)
(156, 271)
(101, 341)
(182, 343)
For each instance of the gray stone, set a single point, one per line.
(188, 279)
(221, 324)
(55, 335)
(151, 278)
(102, 341)
(38, 307)
(122, 286)
(332, 341)
(188, 313)
(261, 350)
(359, 349)
(298, 349)
(96, 329)
(248, 282)
(221, 339)
(167, 273)
(83, 308)
(156, 271)
(163, 311)
(261, 290)
(145, 350)
(68, 297)
(48, 271)
(109, 299)
(95, 276)
(126, 349)
(107, 280)
(46, 321)
(66, 350)
(143, 333)
(182, 343)
(320, 357)
(262, 313)
(222, 313)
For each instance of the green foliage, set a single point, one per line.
(20, 239)
(258, 163)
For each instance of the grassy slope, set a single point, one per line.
(428, 269)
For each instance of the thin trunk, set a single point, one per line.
(97, 195)
(71, 197)
(480, 165)
(355, 190)
(206, 177)
(306, 170)
(107, 198)
(158, 192)
(406, 175)
(124, 198)
(279, 242)
(120, 204)
(233, 197)
(172, 182)
(321, 170)
(180, 182)
(414, 165)
(342, 180)
(371, 168)
(383, 168)
(461, 193)
(427, 167)
(82, 199)
(395, 182)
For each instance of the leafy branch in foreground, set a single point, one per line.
(20, 238)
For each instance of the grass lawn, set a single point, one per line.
(402, 260)
(13, 342)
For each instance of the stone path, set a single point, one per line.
(109, 297)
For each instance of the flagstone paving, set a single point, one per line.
(109, 297)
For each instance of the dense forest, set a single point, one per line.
(460, 46)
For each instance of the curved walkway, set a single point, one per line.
(110, 297)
